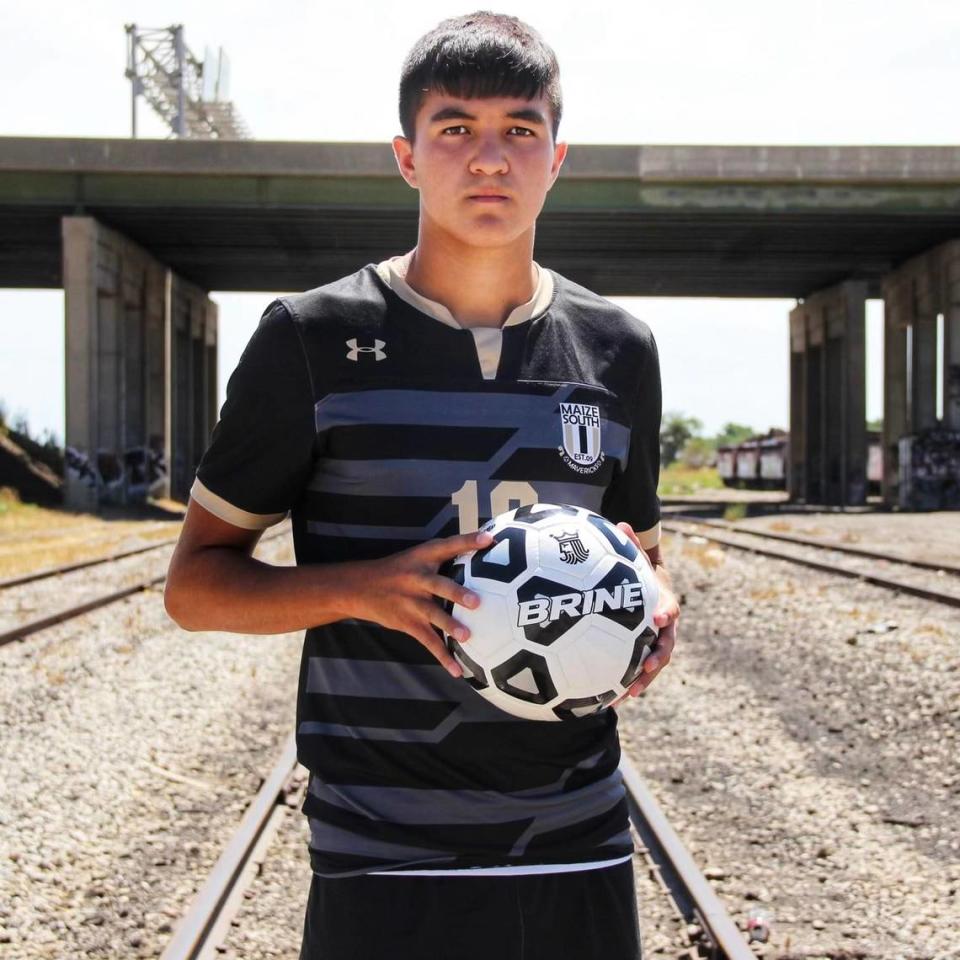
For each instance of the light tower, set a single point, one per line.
(190, 96)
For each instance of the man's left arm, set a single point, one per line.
(633, 495)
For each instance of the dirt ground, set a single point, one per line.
(34, 538)
(914, 536)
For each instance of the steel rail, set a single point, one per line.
(696, 898)
(898, 586)
(819, 544)
(35, 626)
(207, 920)
(205, 924)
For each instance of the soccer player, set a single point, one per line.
(392, 412)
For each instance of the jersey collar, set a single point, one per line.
(393, 272)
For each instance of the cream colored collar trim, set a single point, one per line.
(393, 272)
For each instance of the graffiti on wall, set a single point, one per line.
(930, 470)
(135, 474)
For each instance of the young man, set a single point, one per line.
(392, 412)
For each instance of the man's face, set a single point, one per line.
(483, 166)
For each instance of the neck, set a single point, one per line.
(480, 286)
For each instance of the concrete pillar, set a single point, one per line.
(914, 295)
(950, 308)
(193, 330)
(120, 376)
(923, 347)
(828, 396)
(797, 467)
(897, 313)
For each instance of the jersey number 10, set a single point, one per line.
(506, 495)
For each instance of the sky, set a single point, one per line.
(687, 72)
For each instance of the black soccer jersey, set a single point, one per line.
(379, 423)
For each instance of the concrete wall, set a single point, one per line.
(126, 389)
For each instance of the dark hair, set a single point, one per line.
(480, 54)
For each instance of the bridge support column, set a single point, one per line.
(828, 440)
(134, 401)
(915, 295)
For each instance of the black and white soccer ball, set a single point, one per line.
(565, 619)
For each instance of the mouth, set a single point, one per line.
(488, 198)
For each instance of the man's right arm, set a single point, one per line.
(215, 583)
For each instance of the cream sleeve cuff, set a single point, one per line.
(228, 512)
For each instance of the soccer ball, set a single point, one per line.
(565, 618)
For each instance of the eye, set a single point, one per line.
(459, 126)
(526, 131)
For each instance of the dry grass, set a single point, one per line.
(678, 479)
(34, 538)
(707, 555)
(771, 593)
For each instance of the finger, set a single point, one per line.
(448, 589)
(629, 531)
(666, 614)
(661, 651)
(441, 619)
(640, 685)
(431, 640)
(446, 547)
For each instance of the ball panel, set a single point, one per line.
(619, 596)
(592, 659)
(536, 513)
(618, 540)
(473, 673)
(504, 560)
(570, 551)
(641, 649)
(546, 609)
(489, 642)
(575, 708)
(525, 676)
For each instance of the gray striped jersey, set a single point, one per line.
(378, 427)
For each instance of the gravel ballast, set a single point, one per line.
(804, 742)
(129, 750)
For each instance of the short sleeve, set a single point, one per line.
(632, 495)
(261, 452)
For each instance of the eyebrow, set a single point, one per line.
(458, 113)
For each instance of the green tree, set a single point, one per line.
(675, 430)
(732, 433)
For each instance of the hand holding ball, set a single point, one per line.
(565, 619)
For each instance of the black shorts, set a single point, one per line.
(583, 915)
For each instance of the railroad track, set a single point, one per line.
(23, 630)
(880, 569)
(204, 926)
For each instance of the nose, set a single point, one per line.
(489, 157)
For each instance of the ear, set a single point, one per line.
(559, 154)
(403, 151)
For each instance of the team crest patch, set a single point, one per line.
(580, 423)
(572, 549)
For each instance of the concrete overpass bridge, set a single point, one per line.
(137, 233)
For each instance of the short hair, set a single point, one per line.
(479, 54)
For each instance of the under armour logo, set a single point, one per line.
(376, 349)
